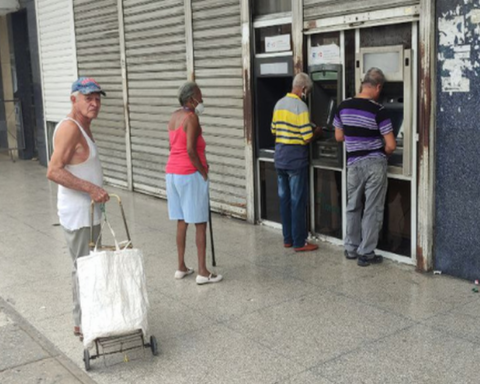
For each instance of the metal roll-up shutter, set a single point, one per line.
(156, 67)
(217, 41)
(321, 9)
(57, 53)
(98, 56)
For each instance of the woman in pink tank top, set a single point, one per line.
(187, 180)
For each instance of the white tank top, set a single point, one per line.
(74, 209)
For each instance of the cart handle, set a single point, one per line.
(92, 204)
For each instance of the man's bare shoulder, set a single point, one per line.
(68, 130)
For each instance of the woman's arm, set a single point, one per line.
(192, 129)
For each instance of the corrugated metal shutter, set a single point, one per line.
(217, 40)
(57, 53)
(156, 67)
(320, 9)
(98, 55)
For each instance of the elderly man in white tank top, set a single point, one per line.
(75, 167)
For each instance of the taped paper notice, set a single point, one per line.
(455, 84)
(325, 54)
(277, 43)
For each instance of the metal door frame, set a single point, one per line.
(412, 260)
(260, 22)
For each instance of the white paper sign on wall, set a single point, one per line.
(277, 43)
(325, 54)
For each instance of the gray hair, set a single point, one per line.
(186, 92)
(374, 77)
(302, 80)
(76, 93)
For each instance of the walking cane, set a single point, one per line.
(214, 264)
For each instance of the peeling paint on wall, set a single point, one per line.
(457, 134)
(451, 30)
(459, 36)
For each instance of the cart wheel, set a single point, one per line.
(86, 359)
(153, 345)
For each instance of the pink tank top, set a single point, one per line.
(179, 162)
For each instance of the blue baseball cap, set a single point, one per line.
(87, 85)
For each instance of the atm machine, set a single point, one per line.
(325, 97)
(273, 79)
(326, 162)
(397, 96)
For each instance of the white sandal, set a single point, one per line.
(181, 274)
(210, 279)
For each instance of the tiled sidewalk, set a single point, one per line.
(278, 317)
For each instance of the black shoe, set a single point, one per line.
(365, 261)
(351, 256)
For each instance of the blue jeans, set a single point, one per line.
(293, 192)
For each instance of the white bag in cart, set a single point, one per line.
(113, 293)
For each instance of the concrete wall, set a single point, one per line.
(457, 237)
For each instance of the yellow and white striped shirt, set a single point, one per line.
(292, 129)
(291, 121)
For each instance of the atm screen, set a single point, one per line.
(392, 99)
(327, 90)
(332, 109)
(324, 98)
(395, 112)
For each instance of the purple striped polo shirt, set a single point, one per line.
(363, 122)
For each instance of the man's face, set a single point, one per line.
(87, 105)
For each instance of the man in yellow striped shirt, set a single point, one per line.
(293, 131)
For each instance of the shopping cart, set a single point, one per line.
(127, 341)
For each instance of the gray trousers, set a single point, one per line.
(78, 245)
(366, 181)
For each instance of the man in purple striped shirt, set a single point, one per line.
(367, 131)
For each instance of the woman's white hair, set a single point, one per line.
(186, 92)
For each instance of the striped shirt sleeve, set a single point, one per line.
(305, 126)
(273, 126)
(384, 123)
(337, 121)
